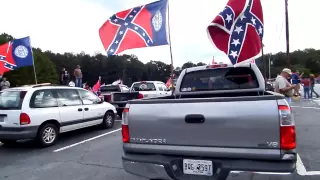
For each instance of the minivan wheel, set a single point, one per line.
(48, 135)
(108, 120)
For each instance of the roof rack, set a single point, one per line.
(47, 84)
(32, 85)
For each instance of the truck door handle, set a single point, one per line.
(194, 118)
(86, 109)
(80, 109)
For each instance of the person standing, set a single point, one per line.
(64, 77)
(4, 84)
(295, 79)
(306, 87)
(313, 82)
(283, 86)
(78, 76)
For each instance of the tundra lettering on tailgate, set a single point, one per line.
(148, 141)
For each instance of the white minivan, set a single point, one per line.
(42, 112)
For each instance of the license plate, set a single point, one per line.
(197, 167)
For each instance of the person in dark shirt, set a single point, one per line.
(312, 79)
(64, 77)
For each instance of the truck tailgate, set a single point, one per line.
(236, 122)
(125, 96)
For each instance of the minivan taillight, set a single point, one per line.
(140, 96)
(287, 128)
(24, 119)
(125, 126)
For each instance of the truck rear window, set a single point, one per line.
(143, 86)
(109, 89)
(11, 99)
(219, 79)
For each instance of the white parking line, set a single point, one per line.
(305, 107)
(81, 142)
(301, 170)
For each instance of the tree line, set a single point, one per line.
(130, 69)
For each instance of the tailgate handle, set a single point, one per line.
(194, 118)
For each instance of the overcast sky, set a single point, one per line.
(72, 26)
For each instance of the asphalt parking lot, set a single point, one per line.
(95, 154)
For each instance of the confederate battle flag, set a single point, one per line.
(142, 26)
(238, 30)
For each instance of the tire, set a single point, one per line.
(108, 120)
(8, 142)
(50, 130)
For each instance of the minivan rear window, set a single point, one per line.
(11, 99)
(219, 79)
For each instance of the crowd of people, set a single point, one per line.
(289, 84)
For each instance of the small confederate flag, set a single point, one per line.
(96, 87)
(238, 30)
(142, 26)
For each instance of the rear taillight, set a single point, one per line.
(140, 96)
(287, 128)
(125, 126)
(24, 119)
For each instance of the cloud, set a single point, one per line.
(72, 26)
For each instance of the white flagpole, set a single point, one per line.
(34, 68)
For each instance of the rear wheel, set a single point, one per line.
(8, 142)
(48, 135)
(108, 120)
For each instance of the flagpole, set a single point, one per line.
(169, 36)
(287, 34)
(263, 61)
(269, 68)
(34, 68)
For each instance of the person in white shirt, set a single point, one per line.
(4, 84)
(282, 85)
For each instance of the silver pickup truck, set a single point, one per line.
(220, 119)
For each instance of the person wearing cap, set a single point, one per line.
(283, 86)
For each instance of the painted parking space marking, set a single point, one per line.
(84, 141)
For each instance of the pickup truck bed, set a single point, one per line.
(206, 135)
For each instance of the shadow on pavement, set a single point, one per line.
(65, 138)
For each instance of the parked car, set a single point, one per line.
(150, 89)
(42, 112)
(118, 96)
(220, 119)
